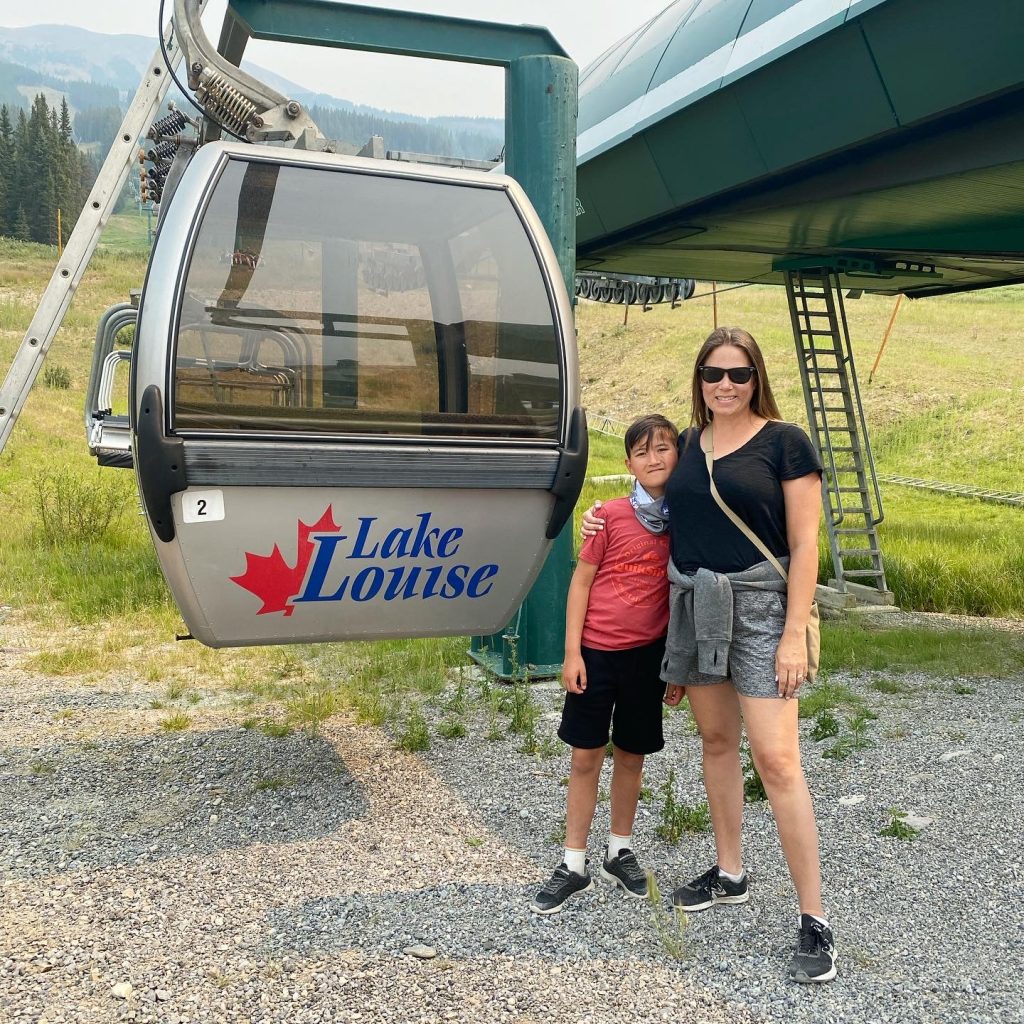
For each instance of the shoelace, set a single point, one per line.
(706, 881)
(631, 866)
(556, 881)
(813, 939)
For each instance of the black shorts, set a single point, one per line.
(624, 691)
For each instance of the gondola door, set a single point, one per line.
(355, 408)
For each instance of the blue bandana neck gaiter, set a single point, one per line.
(652, 512)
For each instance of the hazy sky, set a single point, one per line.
(585, 28)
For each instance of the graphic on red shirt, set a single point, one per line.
(639, 575)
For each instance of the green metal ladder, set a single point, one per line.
(850, 492)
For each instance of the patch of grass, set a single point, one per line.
(276, 730)
(249, 723)
(72, 660)
(309, 709)
(889, 686)
(897, 828)
(57, 376)
(826, 696)
(676, 819)
(474, 841)
(451, 729)
(177, 721)
(970, 653)
(272, 783)
(415, 735)
(42, 767)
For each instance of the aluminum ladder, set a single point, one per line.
(850, 493)
(83, 240)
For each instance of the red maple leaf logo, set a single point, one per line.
(272, 579)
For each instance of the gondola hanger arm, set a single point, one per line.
(231, 97)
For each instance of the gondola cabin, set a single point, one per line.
(354, 398)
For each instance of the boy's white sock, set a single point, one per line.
(731, 876)
(576, 860)
(616, 844)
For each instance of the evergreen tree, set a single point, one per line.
(20, 229)
(41, 171)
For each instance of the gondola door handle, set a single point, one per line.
(161, 463)
(570, 474)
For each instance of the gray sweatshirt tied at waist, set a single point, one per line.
(700, 614)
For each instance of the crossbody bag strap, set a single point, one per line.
(709, 456)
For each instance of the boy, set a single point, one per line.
(615, 622)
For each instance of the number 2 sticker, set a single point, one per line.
(202, 506)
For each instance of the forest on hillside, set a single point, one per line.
(42, 170)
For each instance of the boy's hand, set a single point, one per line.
(591, 525)
(574, 673)
(674, 693)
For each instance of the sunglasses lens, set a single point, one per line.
(737, 374)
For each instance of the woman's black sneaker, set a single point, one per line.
(707, 890)
(558, 888)
(815, 957)
(625, 872)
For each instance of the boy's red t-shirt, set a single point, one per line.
(628, 605)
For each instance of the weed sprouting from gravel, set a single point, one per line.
(177, 721)
(897, 827)
(676, 819)
(310, 709)
(669, 925)
(276, 730)
(826, 725)
(452, 729)
(753, 787)
(415, 735)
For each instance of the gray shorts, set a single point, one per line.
(758, 618)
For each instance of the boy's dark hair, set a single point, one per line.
(645, 428)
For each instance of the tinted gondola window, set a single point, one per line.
(333, 301)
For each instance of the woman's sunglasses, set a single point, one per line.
(737, 374)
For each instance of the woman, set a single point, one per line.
(737, 640)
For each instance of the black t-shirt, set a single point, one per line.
(750, 483)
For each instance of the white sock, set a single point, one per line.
(576, 860)
(616, 844)
(820, 920)
(731, 876)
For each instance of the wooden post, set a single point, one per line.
(625, 318)
(885, 337)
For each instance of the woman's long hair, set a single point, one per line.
(762, 402)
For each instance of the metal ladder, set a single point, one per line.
(80, 246)
(852, 500)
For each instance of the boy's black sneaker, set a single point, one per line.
(707, 890)
(625, 872)
(558, 888)
(815, 956)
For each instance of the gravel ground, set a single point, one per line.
(220, 874)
